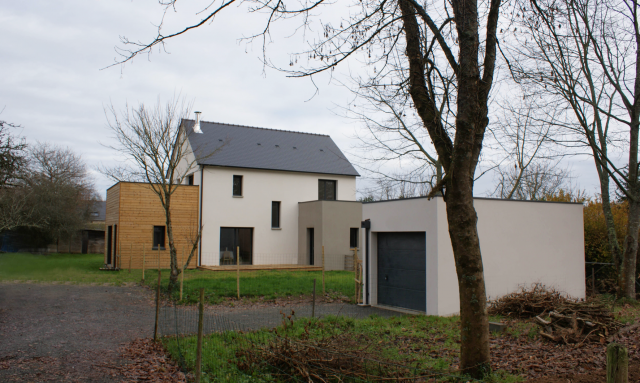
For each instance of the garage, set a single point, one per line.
(402, 270)
(408, 260)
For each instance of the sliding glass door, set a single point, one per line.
(230, 239)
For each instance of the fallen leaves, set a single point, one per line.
(147, 361)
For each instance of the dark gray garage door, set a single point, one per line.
(402, 262)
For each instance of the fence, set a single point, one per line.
(601, 277)
(257, 276)
(221, 344)
(252, 323)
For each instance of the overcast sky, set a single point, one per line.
(54, 85)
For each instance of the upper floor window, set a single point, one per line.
(190, 179)
(275, 214)
(327, 190)
(237, 186)
(158, 237)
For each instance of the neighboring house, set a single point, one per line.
(89, 240)
(278, 196)
(409, 259)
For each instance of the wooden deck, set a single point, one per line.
(262, 267)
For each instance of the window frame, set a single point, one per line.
(352, 237)
(233, 185)
(190, 179)
(324, 182)
(154, 246)
(276, 213)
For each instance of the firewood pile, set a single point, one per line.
(578, 322)
(527, 303)
(561, 320)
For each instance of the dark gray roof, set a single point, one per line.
(260, 148)
(99, 207)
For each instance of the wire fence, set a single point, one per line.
(601, 278)
(287, 342)
(273, 322)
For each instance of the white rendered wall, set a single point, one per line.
(418, 214)
(260, 187)
(521, 242)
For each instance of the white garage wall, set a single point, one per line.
(522, 243)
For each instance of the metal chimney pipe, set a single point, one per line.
(196, 127)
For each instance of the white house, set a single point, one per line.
(251, 189)
(409, 259)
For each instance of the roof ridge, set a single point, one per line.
(256, 127)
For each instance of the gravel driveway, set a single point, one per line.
(69, 333)
(72, 333)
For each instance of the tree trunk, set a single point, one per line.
(612, 235)
(474, 320)
(633, 224)
(173, 254)
(631, 251)
(459, 160)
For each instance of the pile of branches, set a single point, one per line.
(579, 322)
(329, 359)
(528, 303)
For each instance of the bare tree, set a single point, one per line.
(584, 55)
(527, 167)
(157, 151)
(14, 208)
(60, 191)
(429, 41)
(12, 155)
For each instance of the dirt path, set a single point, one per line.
(69, 333)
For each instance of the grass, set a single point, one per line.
(422, 342)
(219, 285)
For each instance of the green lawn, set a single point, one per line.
(219, 286)
(426, 343)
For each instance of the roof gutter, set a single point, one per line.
(200, 226)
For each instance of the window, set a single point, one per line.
(230, 239)
(327, 190)
(190, 179)
(237, 186)
(353, 237)
(158, 237)
(275, 215)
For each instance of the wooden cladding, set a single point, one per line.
(136, 209)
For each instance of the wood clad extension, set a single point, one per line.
(136, 209)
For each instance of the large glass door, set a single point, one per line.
(230, 239)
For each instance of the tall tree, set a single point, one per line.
(585, 56)
(426, 41)
(156, 151)
(60, 190)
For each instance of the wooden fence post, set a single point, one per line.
(323, 291)
(617, 364)
(199, 344)
(355, 272)
(313, 304)
(155, 329)
(182, 273)
(238, 272)
(143, 259)
(130, 255)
